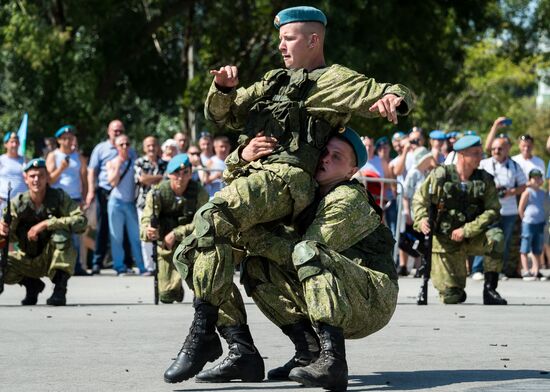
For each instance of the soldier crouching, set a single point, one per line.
(42, 222)
(467, 209)
(172, 203)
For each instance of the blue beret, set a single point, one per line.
(35, 163)
(437, 135)
(469, 133)
(64, 129)
(299, 14)
(8, 135)
(381, 141)
(178, 162)
(467, 142)
(354, 139)
(451, 135)
(398, 135)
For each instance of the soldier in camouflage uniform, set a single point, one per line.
(467, 210)
(43, 220)
(337, 277)
(174, 203)
(301, 106)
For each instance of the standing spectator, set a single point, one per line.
(510, 183)
(381, 161)
(182, 138)
(194, 154)
(369, 145)
(424, 164)
(169, 149)
(416, 139)
(531, 212)
(206, 146)
(525, 158)
(500, 123)
(49, 146)
(67, 171)
(149, 170)
(11, 169)
(437, 142)
(99, 189)
(450, 157)
(121, 207)
(212, 179)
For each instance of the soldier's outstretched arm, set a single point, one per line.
(342, 90)
(228, 106)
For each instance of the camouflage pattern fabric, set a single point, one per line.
(340, 274)
(57, 252)
(475, 209)
(167, 204)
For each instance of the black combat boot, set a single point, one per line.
(306, 344)
(490, 294)
(201, 345)
(330, 371)
(34, 287)
(60, 280)
(243, 362)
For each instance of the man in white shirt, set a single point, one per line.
(510, 182)
(525, 159)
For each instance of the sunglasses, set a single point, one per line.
(123, 144)
(194, 153)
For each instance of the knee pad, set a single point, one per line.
(307, 260)
(495, 242)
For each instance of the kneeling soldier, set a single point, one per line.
(42, 222)
(173, 202)
(467, 210)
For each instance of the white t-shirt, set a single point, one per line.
(508, 175)
(529, 164)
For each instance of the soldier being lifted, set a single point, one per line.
(43, 220)
(174, 203)
(467, 208)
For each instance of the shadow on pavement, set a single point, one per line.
(424, 379)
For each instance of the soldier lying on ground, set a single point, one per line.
(302, 106)
(43, 220)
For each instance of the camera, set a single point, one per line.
(67, 158)
(501, 191)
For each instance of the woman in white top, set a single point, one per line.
(11, 169)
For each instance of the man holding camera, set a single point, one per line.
(510, 182)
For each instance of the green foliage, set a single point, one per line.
(86, 62)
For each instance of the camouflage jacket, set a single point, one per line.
(174, 213)
(472, 205)
(337, 95)
(61, 212)
(344, 221)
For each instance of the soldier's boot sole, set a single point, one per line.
(188, 365)
(247, 368)
(333, 377)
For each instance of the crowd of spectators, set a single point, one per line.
(406, 159)
(113, 184)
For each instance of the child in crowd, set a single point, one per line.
(531, 211)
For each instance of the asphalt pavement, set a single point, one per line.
(111, 337)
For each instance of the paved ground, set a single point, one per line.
(112, 338)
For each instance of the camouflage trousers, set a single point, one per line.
(170, 286)
(205, 258)
(336, 291)
(449, 268)
(58, 255)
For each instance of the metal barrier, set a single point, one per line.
(399, 201)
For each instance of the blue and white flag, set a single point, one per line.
(22, 135)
